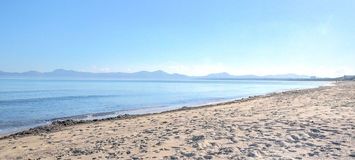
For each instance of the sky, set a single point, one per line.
(193, 37)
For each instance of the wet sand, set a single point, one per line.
(302, 124)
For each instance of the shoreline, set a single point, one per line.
(316, 123)
(57, 125)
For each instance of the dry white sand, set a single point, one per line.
(305, 124)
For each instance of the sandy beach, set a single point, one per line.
(302, 124)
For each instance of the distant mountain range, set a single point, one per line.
(225, 75)
(156, 75)
(61, 73)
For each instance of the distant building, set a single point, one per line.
(348, 77)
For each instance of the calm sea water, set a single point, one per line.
(26, 103)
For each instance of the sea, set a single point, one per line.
(26, 103)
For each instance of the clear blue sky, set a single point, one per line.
(195, 37)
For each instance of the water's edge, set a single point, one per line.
(56, 124)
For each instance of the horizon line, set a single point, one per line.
(172, 73)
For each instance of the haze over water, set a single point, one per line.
(26, 103)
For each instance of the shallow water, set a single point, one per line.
(26, 103)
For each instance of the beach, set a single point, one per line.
(316, 123)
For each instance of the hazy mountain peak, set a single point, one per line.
(159, 71)
(62, 71)
(219, 75)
